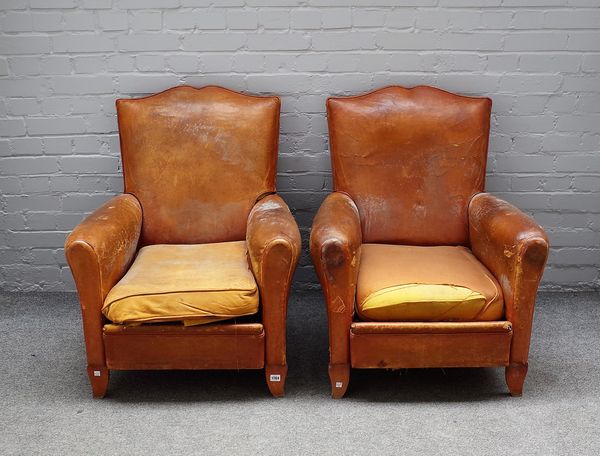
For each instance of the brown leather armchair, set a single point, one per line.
(199, 236)
(419, 268)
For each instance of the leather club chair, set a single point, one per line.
(198, 236)
(419, 267)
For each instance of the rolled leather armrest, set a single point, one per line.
(99, 252)
(274, 245)
(335, 242)
(514, 248)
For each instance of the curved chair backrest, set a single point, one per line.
(197, 160)
(411, 159)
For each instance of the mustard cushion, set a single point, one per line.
(191, 283)
(411, 283)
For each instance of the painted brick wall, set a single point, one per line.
(63, 63)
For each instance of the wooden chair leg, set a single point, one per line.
(515, 378)
(276, 379)
(99, 380)
(339, 375)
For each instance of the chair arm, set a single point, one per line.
(335, 242)
(274, 245)
(99, 252)
(514, 248)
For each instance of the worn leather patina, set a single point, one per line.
(199, 167)
(515, 248)
(198, 160)
(409, 169)
(411, 159)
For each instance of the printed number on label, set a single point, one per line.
(338, 384)
(275, 378)
(96, 373)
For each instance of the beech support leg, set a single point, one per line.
(515, 378)
(99, 377)
(339, 375)
(276, 376)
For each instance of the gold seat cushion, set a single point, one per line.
(195, 284)
(409, 283)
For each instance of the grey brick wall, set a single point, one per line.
(63, 63)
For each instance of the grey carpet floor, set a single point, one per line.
(46, 405)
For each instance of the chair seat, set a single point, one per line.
(195, 284)
(409, 283)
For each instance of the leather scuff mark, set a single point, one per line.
(509, 252)
(339, 305)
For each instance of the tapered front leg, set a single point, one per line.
(339, 375)
(515, 378)
(276, 376)
(99, 377)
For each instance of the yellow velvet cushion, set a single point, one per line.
(410, 283)
(191, 283)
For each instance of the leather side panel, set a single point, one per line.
(515, 249)
(274, 247)
(184, 348)
(414, 348)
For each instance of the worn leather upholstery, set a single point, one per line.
(274, 244)
(99, 252)
(408, 169)
(515, 248)
(199, 167)
(184, 154)
(411, 159)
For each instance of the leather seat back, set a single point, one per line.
(411, 159)
(197, 160)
